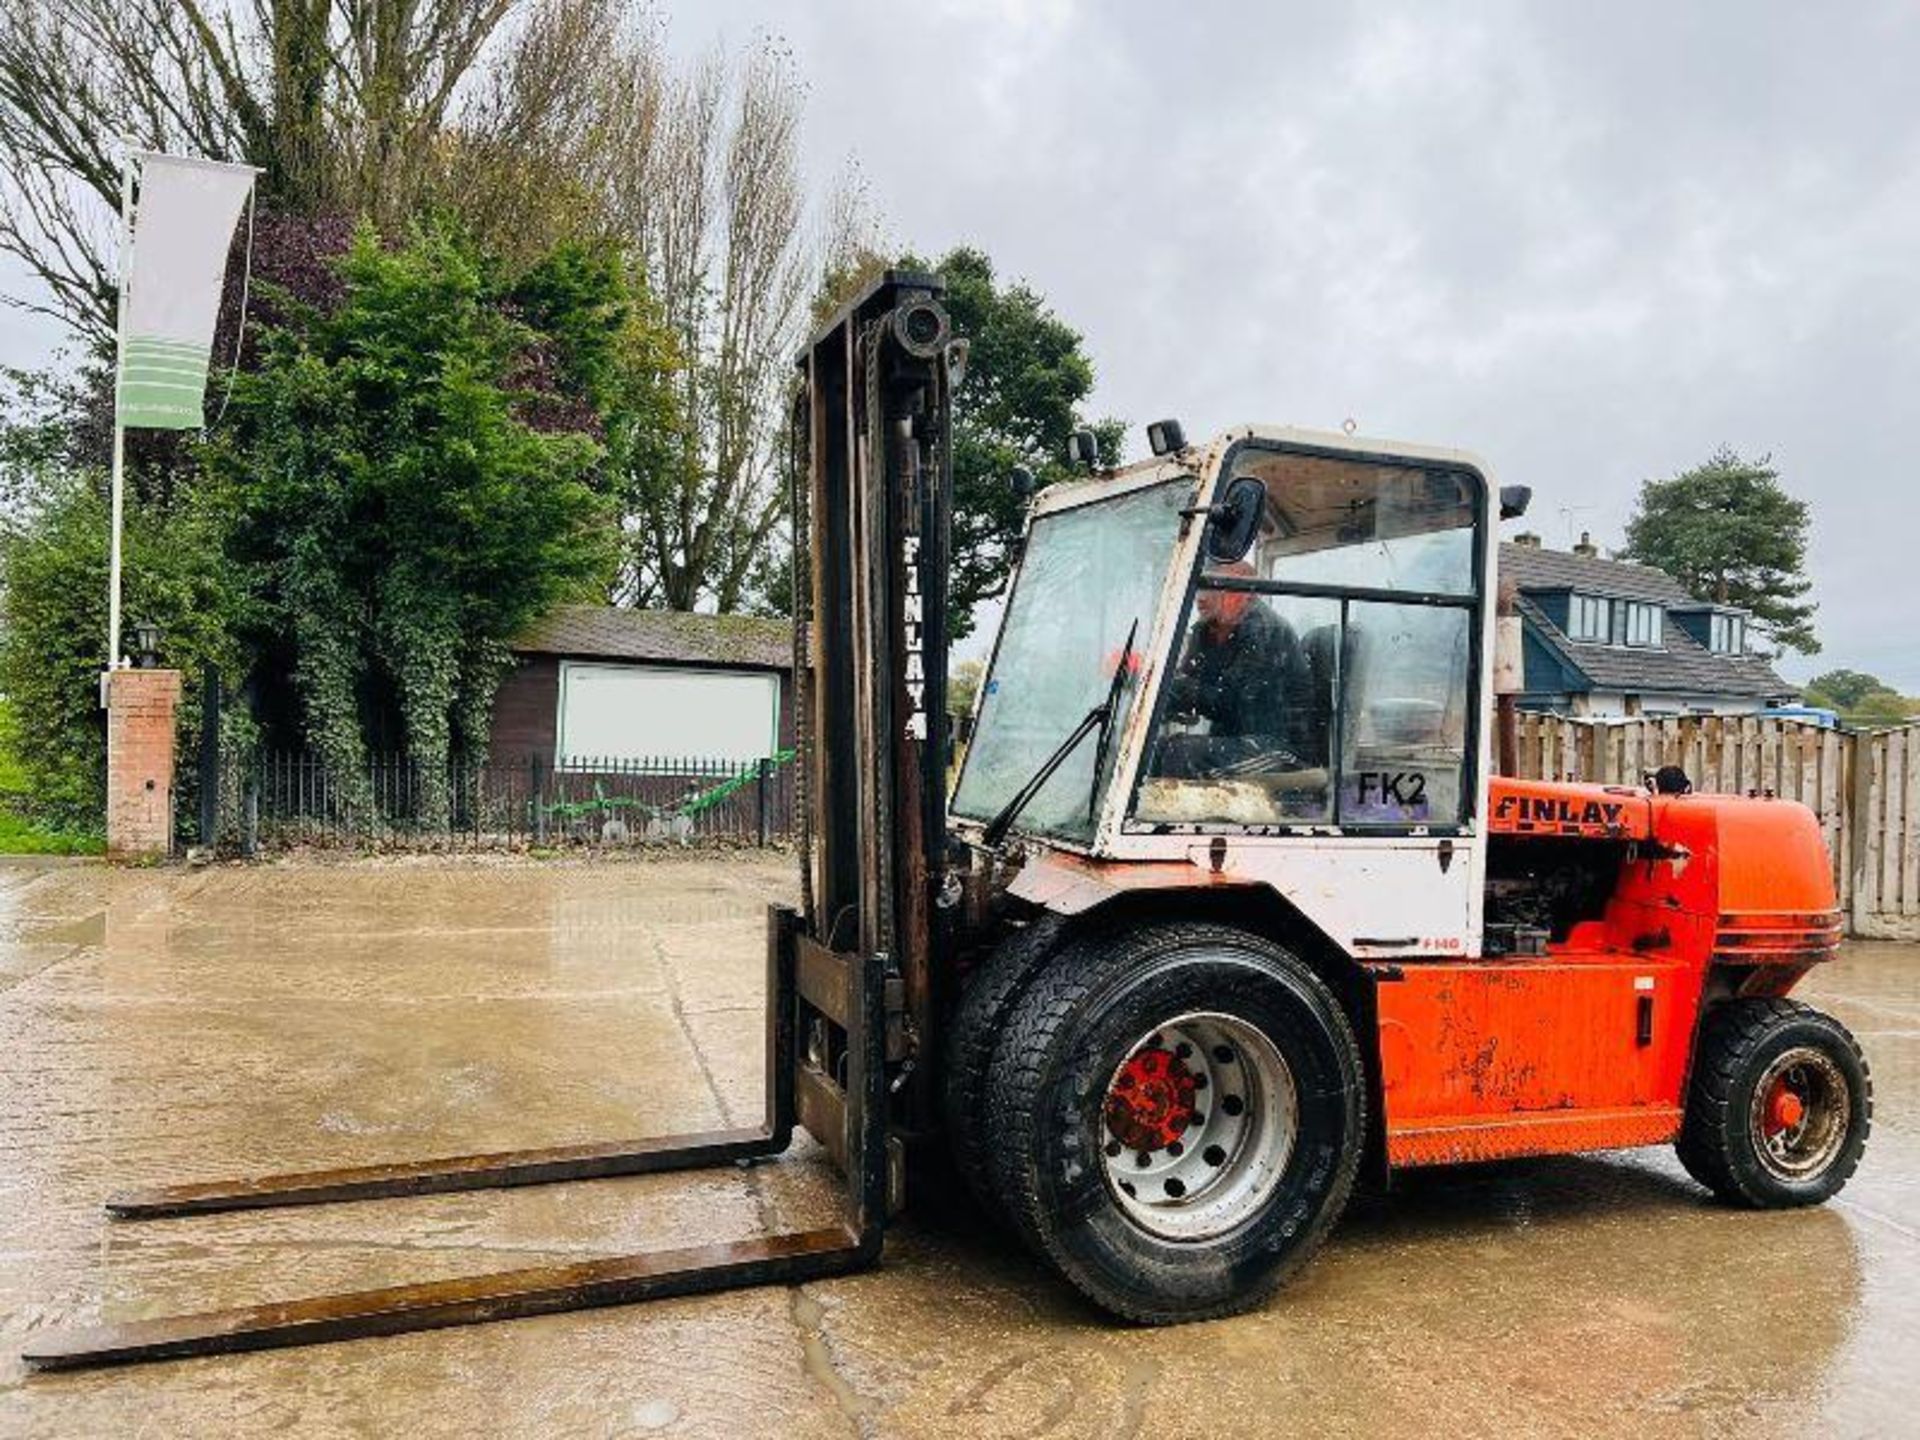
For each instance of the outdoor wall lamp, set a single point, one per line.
(146, 646)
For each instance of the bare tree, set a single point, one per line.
(342, 103)
(717, 206)
(532, 119)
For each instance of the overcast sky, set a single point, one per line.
(1588, 243)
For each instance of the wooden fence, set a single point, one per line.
(1864, 786)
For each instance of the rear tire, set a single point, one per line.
(1779, 1105)
(1175, 1117)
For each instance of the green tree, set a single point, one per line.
(1882, 707)
(395, 516)
(1028, 374)
(363, 107)
(1843, 689)
(963, 686)
(1861, 699)
(1730, 534)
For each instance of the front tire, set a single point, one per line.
(1779, 1106)
(1176, 1114)
(973, 1033)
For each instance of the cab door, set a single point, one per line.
(1322, 705)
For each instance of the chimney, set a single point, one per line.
(1586, 546)
(1527, 538)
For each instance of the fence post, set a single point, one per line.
(250, 816)
(1859, 790)
(210, 760)
(760, 786)
(533, 790)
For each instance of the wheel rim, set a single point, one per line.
(1798, 1119)
(1198, 1123)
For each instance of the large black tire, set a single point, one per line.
(974, 1028)
(1080, 1024)
(1733, 1143)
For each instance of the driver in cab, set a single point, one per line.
(1244, 674)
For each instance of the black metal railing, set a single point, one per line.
(276, 800)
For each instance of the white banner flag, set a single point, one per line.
(182, 228)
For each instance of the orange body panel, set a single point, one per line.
(1486, 1058)
(1587, 1047)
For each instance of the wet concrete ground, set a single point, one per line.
(168, 1025)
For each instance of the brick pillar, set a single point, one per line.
(140, 706)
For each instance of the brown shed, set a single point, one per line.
(600, 682)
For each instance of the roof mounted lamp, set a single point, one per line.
(1514, 500)
(1166, 436)
(1083, 450)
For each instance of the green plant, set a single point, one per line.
(395, 517)
(55, 612)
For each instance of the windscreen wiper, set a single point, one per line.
(1099, 718)
(1106, 720)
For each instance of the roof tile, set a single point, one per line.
(685, 637)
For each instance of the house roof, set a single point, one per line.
(1682, 664)
(679, 636)
(1535, 568)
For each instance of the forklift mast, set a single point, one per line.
(850, 978)
(872, 507)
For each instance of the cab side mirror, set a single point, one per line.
(1233, 523)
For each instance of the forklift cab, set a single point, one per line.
(1312, 690)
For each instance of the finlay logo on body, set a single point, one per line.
(1557, 810)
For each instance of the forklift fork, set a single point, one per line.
(840, 1000)
(872, 503)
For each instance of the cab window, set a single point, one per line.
(1326, 677)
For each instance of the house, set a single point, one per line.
(1605, 637)
(599, 683)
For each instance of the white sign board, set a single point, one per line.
(636, 712)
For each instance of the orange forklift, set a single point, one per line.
(1226, 913)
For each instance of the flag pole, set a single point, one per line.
(119, 429)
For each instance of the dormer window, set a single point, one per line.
(1728, 634)
(1600, 620)
(1590, 618)
(1636, 623)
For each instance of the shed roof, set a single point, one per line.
(672, 636)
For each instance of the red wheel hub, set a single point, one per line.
(1784, 1108)
(1151, 1102)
